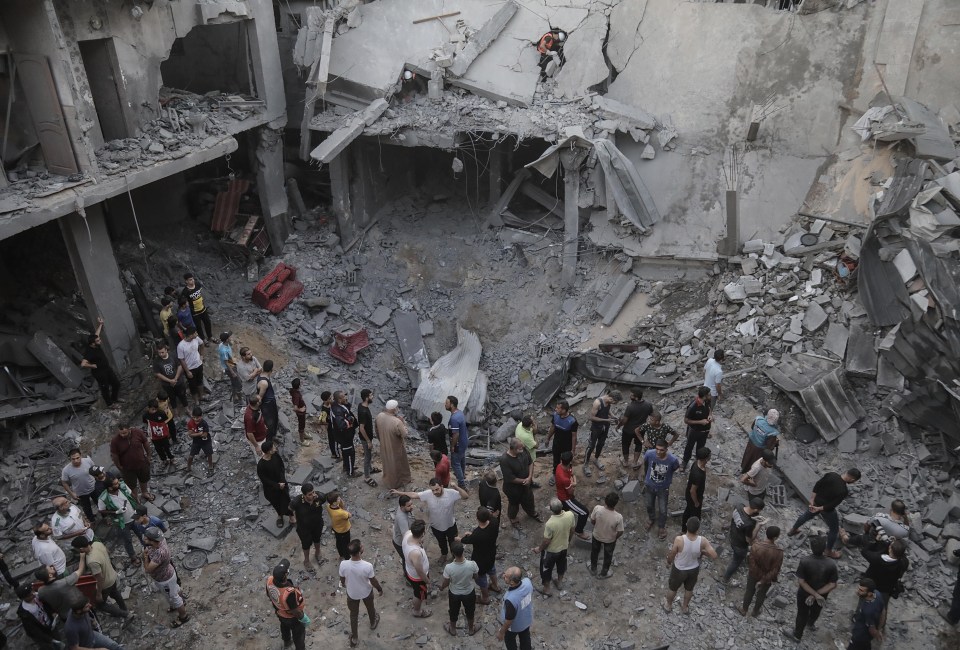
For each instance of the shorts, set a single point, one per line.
(419, 588)
(687, 578)
(309, 536)
(199, 444)
(483, 578)
(171, 588)
(196, 383)
(133, 476)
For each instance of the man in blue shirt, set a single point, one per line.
(142, 521)
(563, 432)
(459, 439)
(81, 630)
(516, 615)
(658, 467)
(866, 620)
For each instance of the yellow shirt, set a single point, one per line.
(166, 313)
(339, 519)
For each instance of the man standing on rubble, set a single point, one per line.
(633, 417)
(459, 439)
(365, 421)
(563, 432)
(95, 360)
(766, 560)
(557, 533)
(817, 576)
(268, 399)
(713, 377)
(517, 470)
(392, 431)
(344, 423)
(659, 467)
(600, 421)
(77, 481)
(743, 532)
(287, 601)
(696, 488)
(828, 493)
(130, 453)
(68, 521)
(170, 374)
(193, 292)
(254, 427)
(189, 352)
(273, 477)
(516, 614)
(699, 419)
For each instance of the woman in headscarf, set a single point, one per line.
(763, 435)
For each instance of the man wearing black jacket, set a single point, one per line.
(828, 493)
(36, 618)
(344, 424)
(273, 476)
(886, 569)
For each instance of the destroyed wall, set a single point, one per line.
(211, 57)
(702, 68)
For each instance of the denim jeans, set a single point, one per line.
(101, 641)
(458, 458)
(739, 555)
(595, 546)
(656, 498)
(829, 517)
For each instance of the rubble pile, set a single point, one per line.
(187, 121)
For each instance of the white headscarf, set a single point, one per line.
(392, 405)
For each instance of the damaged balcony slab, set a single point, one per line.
(814, 384)
(340, 139)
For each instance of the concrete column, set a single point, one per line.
(340, 191)
(571, 159)
(730, 245)
(98, 277)
(270, 186)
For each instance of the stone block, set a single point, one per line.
(937, 512)
(269, 523)
(380, 315)
(631, 491)
(426, 328)
(301, 475)
(847, 442)
(951, 531)
(326, 463)
(853, 522)
(171, 507)
(932, 531)
(735, 292)
(814, 318)
(327, 487)
(835, 342)
(753, 246)
(203, 543)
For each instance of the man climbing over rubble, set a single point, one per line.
(828, 493)
(563, 433)
(459, 439)
(550, 47)
(600, 421)
(193, 292)
(95, 360)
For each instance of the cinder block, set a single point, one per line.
(631, 491)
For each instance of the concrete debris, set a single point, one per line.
(481, 39)
(337, 141)
(585, 65)
(410, 335)
(618, 295)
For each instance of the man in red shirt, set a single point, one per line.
(441, 467)
(566, 482)
(255, 427)
(130, 452)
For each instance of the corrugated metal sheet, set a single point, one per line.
(881, 287)
(227, 205)
(815, 385)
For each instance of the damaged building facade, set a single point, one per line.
(113, 112)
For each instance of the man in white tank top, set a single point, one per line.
(684, 562)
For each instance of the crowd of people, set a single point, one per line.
(55, 611)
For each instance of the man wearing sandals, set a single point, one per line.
(600, 421)
(557, 533)
(357, 577)
(156, 562)
(416, 566)
(659, 467)
(130, 452)
(287, 601)
(459, 576)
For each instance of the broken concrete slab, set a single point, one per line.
(55, 360)
(631, 491)
(861, 352)
(735, 292)
(847, 442)
(269, 523)
(337, 141)
(616, 298)
(888, 376)
(835, 342)
(380, 315)
(935, 142)
(301, 475)
(797, 472)
(202, 543)
(613, 109)
(814, 318)
(482, 38)
(585, 65)
(412, 349)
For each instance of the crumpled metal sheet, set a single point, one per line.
(455, 373)
(599, 367)
(632, 196)
(476, 409)
(815, 385)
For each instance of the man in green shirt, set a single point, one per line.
(526, 433)
(557, 533)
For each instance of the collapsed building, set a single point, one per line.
(115, 114)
